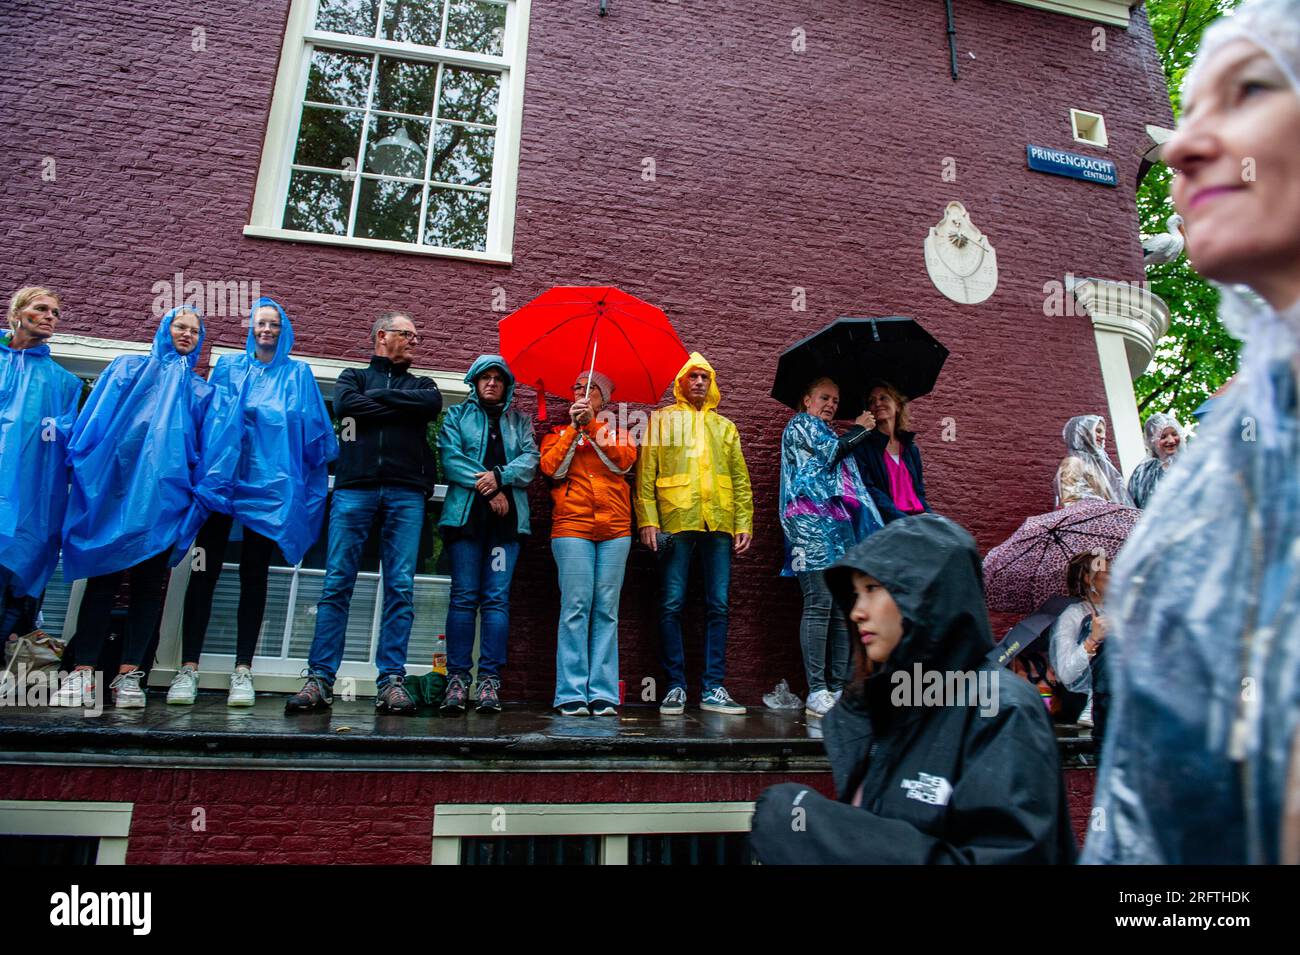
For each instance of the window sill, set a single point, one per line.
(373, 245)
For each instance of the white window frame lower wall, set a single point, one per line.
(278, 147)
(109, 822)
(613, 822)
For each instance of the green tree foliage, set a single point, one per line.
(1197, 355)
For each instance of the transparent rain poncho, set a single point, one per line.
(1205, 598)
(133, 452)
(1142, 482)
(38, 405)
(268, 441)
(1086, 471)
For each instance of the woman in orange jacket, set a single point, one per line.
(587, 461)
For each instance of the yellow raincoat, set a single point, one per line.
(691, 475)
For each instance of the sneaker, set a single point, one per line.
(453, 703)
(315, 694)
(393, 698)
(185, 687)
(489, 695)
(241, 688)
(1085, 718)
(837, 694)
(819, 703)
(718, 700)
(127, 692)
(77, 690)
(674, 703)
(573, 709)
(603, 708)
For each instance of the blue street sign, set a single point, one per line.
(1058, 162)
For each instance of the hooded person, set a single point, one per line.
(489, 457)
(1164, 439)
(1086, 471)
(268, 441)
(938, 755)
(134, 453)
(692, 495)
(1200, 763)
(38, 406)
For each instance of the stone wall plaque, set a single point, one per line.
(959, 258)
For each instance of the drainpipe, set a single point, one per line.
(952, 39)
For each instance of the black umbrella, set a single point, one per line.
(858, 352)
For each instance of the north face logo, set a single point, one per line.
(934, 790)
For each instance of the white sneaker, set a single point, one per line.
(241, 688)
(77, 690)
(819, 703)
(1085, 718)
(185, 687)
(837, 694)
(127, 692)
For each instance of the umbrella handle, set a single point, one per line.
(594, 345)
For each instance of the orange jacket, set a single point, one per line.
(589, 488)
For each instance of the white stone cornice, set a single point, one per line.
(1112, 12)
(1128, 309)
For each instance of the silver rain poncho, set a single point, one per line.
(1086, 471)
(1205, 598)
(1142, 482)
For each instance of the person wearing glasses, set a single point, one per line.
(385, 468)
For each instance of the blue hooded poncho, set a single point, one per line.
(133, 452)
(268, 443)
(38, 406)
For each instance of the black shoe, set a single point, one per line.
(489, 695)
(603, 708)
(315, 694)
(453, 702)
(393, 698)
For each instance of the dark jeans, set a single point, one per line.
(254, 566)
(714, 548)
(17, 614)
(823, 624)
(481, 571)
(146, 579)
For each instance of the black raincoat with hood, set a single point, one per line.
(977, 783)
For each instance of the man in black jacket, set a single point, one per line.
(937, 756)
(385, 467)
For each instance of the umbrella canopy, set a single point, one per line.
(857, 352)
(1028, 568)
(554, 338)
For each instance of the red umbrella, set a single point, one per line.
(566, 331)
(1026, 569)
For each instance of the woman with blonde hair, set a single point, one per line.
(887, 455)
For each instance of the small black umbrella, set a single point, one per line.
(857, 352)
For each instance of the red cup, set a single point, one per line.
(620, 692)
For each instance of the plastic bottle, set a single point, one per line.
(440, 654)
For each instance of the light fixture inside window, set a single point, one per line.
(394, 155)
(1088, 128)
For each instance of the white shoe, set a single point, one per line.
(127, 692)
(837, 694)
(77, 690)
(185, 687)
(241, 688)
(1085, 718)
(819, 703)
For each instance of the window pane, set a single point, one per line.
(360, 617)
(463, 155)
(404, 86)
(54, 610)
(469, 95)
(395, 146)
(476, 26)
(328, 137)
(223, 624)
(388, 209)
(457, 219)
(339, 78)
(414, 21)
(430, 619)
(354, 17)
(318, 202)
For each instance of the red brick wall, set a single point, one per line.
(775, 169)
(317, 818)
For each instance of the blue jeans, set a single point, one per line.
(586, 654)
(481, 570)
(714, 548)
(352, 512)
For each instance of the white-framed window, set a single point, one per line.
(395, 125)
(593, 834)
(1088, 128)
(64, 833)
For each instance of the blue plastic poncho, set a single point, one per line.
(38, 406)
(133, 451)
(268, 443)
(825, 507)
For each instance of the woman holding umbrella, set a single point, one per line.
(1164, 438)
(825, 510)
(887, 456)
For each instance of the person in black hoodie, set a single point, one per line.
(924, 778)
(887, 455)
(385, 467)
